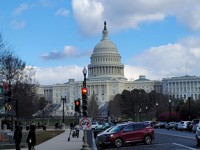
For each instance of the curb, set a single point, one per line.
(93, 142)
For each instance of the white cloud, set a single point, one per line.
(129, 14)
(89, 14)
(60, 74)
(133, 73)
(176, 59)
(18, 24)
(68, 52)
(46, 3)
(62, 12)
(20, 9)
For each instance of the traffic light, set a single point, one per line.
(77, 105)
(84, 101)
(7, 96)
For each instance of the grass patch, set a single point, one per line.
(43, 136)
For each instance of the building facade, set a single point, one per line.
(182, 87)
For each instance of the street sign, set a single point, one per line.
(85, 123)
(11, 108)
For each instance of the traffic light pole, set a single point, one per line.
(85, 145)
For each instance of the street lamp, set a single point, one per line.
(140, 111)
(189, 98)
(146, 111)
(157, 111)
(170, 114)
(84, 73)
(64, 100)
(85, 145)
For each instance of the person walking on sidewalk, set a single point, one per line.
(17, 137)
(77, 130)
(31, 139)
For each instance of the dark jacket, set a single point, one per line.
(17, 135)
(31, 139)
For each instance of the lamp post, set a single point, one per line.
(146, 111)
(84, 73)
(85, 145)
(170, 113)
(64, 100)
(157, 111)
(189, 98)
(140, 111)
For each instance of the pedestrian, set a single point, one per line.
(31, 139)
(77, 130)
(71, 126)
(17, 137)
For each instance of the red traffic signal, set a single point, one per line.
(77, 105)
(84, 90)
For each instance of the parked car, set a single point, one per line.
(194, 123)
(198, 135)
(152, 123)
(156, 125)
(126, 133)
(160, 125)
(94, 125)
(99, 126)
(183, 125)
(95, 132)
(176, 126)
(190, 126)
(170, 125)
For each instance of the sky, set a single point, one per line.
(156, 38)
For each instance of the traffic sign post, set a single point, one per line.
(85, 123)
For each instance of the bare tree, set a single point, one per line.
(114, 106)
(93, 107)
(20, 79)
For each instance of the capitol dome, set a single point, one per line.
(105, 45)
(105, 60)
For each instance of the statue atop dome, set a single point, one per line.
(105, 25)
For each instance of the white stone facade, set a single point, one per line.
(182, 87)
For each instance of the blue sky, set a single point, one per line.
(158, 38)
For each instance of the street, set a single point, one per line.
(167, 139)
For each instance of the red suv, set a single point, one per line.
(121, 134)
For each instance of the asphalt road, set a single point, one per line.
(167, 140)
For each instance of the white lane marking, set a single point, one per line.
(184, 146)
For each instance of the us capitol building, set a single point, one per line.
(105, 79)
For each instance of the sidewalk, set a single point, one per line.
(61, 142)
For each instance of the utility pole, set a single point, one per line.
(85, 145)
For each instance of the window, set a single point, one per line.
(139, 126)
(128, 128)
